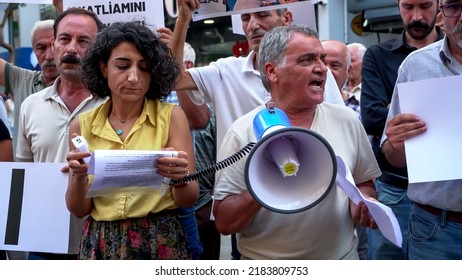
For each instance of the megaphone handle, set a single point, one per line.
(215, 167)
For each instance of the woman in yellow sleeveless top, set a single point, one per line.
(135, 69)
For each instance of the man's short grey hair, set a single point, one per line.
(273, 46)
(41, 25)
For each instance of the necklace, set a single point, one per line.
(122, 122)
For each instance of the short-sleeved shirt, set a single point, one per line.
(21, 83)
(44, 125)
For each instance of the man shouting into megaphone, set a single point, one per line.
(291, 60)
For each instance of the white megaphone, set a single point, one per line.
(290, 169)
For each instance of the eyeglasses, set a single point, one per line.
(451, 10)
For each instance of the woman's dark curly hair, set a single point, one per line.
(163, 67)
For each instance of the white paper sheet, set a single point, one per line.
(435, 155)
(44, 218)
(115, 170)
(382, 214)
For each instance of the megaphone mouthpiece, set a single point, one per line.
(282, 152)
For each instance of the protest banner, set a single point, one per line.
(108, 11)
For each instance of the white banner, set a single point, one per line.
(109, 11)
(33, 212)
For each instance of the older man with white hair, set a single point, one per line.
(352, 89)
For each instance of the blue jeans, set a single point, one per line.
(432, 237)
(187, 218)
(379, 248)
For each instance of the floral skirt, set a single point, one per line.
(157, 236)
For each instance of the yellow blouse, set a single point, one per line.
(149, 132)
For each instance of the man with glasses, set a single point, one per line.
(436, 214)
(379, 72)
(451, 10)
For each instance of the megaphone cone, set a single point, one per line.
(289, 170)
(314, 165)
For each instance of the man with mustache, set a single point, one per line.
(23, 82)
(436, 213)
(379, 72)
(45, 116)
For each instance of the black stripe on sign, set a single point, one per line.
(14, 208)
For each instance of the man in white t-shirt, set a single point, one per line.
(294, 71)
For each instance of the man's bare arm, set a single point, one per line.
(185, 8)
(198, 115)
(235, 213)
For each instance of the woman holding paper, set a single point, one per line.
(135, 69)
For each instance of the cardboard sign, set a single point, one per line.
(109, 11)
